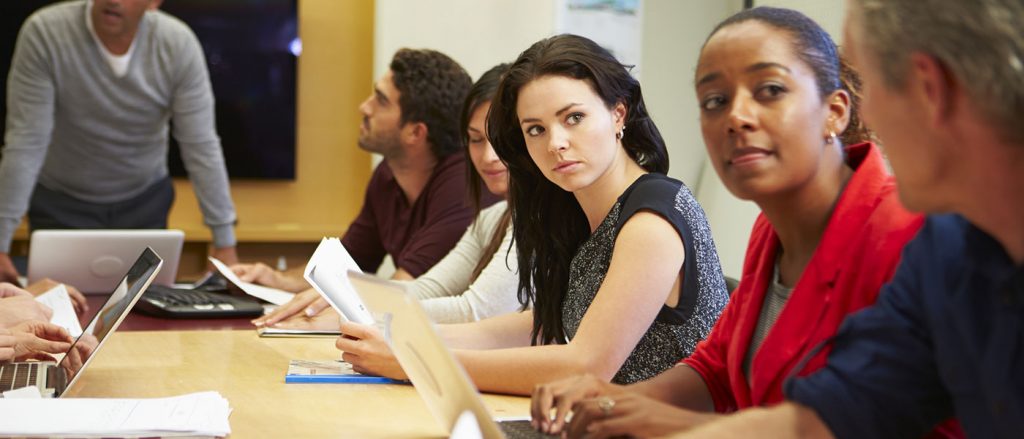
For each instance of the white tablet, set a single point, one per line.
(95, 260)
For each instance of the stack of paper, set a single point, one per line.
(196, 414)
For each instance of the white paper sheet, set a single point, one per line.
(272, 295)
(196, 414)
(63, 311)
(30, 392)
(327, 271)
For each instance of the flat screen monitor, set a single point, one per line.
(251, 49)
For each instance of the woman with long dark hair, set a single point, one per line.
(617, 266)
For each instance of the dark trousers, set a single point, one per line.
(50, 209)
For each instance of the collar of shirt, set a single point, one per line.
(118, 63)
(388, 177)
(990, 260)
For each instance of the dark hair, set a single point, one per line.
(548, 223)
(481, 93)
(815, 47)
(432, 88)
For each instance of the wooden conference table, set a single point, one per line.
(249, 371)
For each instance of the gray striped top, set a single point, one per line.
(774, 300)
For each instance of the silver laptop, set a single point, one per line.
(53, 379)
(94, 260)
(433, 370)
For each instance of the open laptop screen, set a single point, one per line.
(110, 315)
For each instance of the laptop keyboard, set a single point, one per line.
(18, 375)
(521, 429)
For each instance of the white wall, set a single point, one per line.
(477, 33)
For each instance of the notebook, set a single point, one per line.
(433, 370)
(53, 379)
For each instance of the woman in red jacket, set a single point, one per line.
(777, 107)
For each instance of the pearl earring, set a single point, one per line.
(831, 137)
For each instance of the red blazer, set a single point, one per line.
(856, 256)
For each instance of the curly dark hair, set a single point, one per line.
(548, 223)
(433, 87)
(815, 48)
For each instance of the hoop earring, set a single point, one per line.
(831, 139)
(621, 134)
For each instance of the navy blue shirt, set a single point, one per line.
(946, 338)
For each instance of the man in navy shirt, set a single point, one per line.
(944, 90)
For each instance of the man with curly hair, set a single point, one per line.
(415, 206)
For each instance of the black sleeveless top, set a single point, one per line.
(675, 331)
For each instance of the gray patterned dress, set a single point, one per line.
(675, 331)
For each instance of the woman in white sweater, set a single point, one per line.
(476, 280)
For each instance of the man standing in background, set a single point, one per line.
(94, 89)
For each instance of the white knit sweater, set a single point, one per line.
(446, 291)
